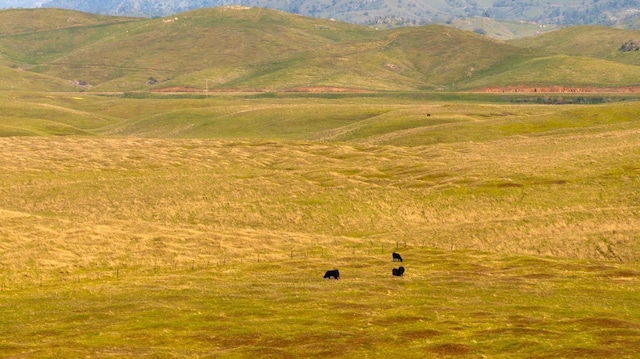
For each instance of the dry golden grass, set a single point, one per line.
(82, 204)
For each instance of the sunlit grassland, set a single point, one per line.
(573, 41)
(12, 79)
(574, 71)
(185, 227)
(449, 304)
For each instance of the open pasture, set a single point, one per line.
(462, 304)
(199, 227)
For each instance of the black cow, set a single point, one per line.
(397, 257)
(332, 273)
(398, 272)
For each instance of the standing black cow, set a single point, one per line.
(397, 257)
(398, 272)
(332, 273)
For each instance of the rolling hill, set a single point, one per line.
(586, 41)
(241, 48)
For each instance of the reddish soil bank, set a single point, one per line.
(315, 89)
(177, 89)
(502, 89)
(560, 89)
(324, 89)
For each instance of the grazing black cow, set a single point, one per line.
(332, 273)
(398, 272)
(397, 257)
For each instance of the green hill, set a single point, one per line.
(15, 79)
(231, 48)
(586, 41)
(20, 21)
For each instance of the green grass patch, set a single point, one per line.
(448, 303)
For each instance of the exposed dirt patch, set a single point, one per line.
(595, 323)
(508, 184)
(591, 268)
(421, 334)
(581, 353)
(524, 321)
(390, 321)
(325, 89)
(519, 332)
(310, 89)
(451, 349)
(630, 344)
(624, 274)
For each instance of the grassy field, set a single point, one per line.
(448, 304)
(201, 227)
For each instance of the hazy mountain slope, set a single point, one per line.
(565, 12)
(501, 29)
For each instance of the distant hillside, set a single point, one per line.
(384, 12)
(588, 41)
(18, 21)
(241, 48)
